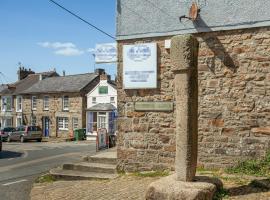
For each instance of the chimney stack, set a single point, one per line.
(99, 71)
(23, 72)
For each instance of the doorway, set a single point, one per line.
(46, 126)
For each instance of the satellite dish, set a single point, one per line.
(193, 11)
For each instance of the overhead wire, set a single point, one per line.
(80, 18)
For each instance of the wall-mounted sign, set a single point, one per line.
(154, 106)
(140, 66)
(106, 53)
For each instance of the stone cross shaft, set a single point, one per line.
(184, 57)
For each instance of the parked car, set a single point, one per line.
(4, 132)
(24, 133)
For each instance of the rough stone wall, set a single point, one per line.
(76, 109)
(234, 104)
(234, 116)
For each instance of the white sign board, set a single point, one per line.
(140, 66)
(106, 53)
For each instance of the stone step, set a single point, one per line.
(103, 160)
(79, 175)
(91, 167)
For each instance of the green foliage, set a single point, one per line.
(152, 174)
(252, 167)
(47, 178)
(221, 194)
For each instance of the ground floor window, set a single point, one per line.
(101, 120)
(19, 121)
(7, 122)
(62, 123)
(75, 122)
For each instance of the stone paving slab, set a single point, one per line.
(130, 187)
(125, 187)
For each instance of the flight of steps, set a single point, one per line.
(100, 166)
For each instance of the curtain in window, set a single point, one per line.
(112, 122)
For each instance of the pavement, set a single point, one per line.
(131, 187)
(22, 163)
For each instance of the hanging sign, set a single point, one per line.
(140, 66)
(106, 53)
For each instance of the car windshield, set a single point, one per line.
(8, 129)
(33, 128)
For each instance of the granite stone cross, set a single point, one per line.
(184, 57)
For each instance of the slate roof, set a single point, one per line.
(19, 86)
(2, 87)
(71, 83)
(102, 107)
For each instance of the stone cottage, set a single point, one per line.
(11, 99)
(234, 81)
(58, 104)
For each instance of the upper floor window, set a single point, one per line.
(34, 102)
(94, 100)
(46, 103)
(103, 89)
(65, 103)
(19, 104)
(7, 103)
(112, 99)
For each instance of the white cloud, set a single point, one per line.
(69, 52)
(64, 49)
(91, 50)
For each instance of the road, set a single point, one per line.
(22, 163)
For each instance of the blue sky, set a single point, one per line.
(42, 36)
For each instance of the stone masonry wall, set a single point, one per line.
(76, 110)
(234, 104)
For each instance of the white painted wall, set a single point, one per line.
(102, 98)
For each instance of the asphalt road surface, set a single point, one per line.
(22, 163)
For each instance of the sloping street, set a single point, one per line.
(22, 163)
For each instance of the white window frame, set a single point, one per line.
(34, 107)
(94, 100)
(65, 107)
(105, 123)
(4, 103)
(19, 117)
(46, 103)
(112, 101)
(19, 104)
(75, 123)
(64, 123)
(5, 122)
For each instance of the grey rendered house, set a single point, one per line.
(58, 104)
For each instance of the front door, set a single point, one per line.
(46, 126)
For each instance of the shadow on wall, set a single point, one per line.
(216, 47)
